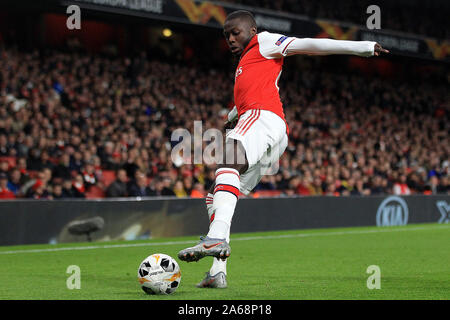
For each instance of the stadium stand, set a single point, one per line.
(69, 121)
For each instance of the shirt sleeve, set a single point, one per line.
(273, 45)
(329, 46)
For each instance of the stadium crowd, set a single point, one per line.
(425, 18)
(74, 125)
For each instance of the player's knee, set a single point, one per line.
(235, 157)
(241, 168)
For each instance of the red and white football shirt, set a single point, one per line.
(257, 74)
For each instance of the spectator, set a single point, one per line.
(4, 166)
(377, 187)
(57, 191)
(106, 153)
(360, 189)
(68, 189)
(162, 187)
(22, 167)
(62, 169)
(78, 186)
(14, 183)
(76, 162)
(5, 193)
(400, 187)
(130, 166)
(304, 187)
(38, 191)
(433, 184)
(118, 188)
(316, 187)
(179, 190)
(187, 184)
(45, 161)
(89, 175)
(198, 191)
(41, 180)
(4, 149)
(266, 183)
(140, 187)
(33, 161)
(331, 190)
(414, 183)
(443, 187)
(348, 187)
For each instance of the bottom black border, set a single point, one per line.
(214, 309)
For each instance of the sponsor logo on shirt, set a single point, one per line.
(280, 41)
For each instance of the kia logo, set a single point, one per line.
(393, 211)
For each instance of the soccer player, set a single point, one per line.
(261, 133)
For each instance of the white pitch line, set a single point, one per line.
(285, 236)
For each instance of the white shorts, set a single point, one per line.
(263, 136)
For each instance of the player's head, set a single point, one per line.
(238, 29)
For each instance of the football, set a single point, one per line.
(159, 274)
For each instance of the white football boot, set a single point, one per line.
(218, 248)
(219, 280)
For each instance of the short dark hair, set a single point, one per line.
(244, 15)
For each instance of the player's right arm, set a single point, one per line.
(231, 118)
(232, 115)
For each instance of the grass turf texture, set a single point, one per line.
(302, 264)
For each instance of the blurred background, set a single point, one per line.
(88, 113)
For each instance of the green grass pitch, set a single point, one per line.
(414, 262)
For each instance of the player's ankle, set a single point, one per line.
(218, 230)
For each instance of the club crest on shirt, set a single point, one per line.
(280, 41)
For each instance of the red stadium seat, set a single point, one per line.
(95, 193)
(108, 177)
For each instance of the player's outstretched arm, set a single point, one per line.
(312, 46)
(274, 45)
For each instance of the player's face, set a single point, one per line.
(238, 34)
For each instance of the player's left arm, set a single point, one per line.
(313, 46)
(273, 45)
